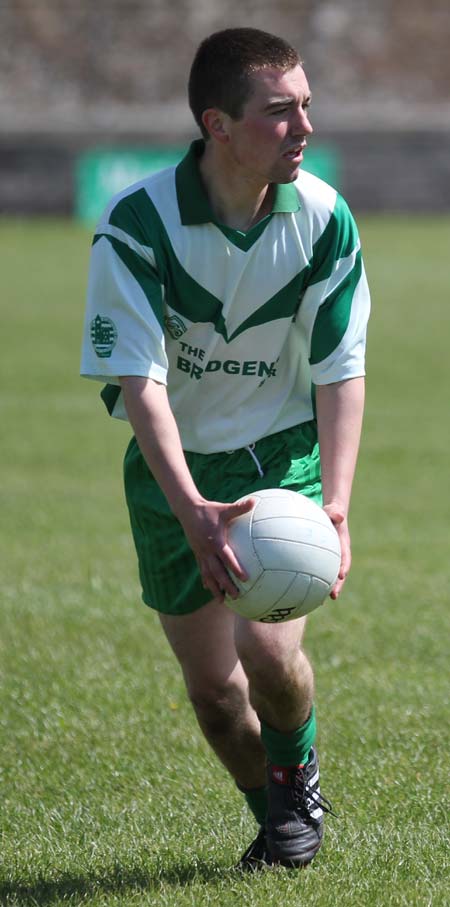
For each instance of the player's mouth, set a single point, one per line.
(295, 154)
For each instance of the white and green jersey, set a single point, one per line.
(240, 326)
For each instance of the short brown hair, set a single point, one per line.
(221, 68)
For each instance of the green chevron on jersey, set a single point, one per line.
(239, 326)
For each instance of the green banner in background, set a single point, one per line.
(103, 172)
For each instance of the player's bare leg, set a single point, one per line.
(204, 645)
(279, 673)
(281, 691)
(271, 676)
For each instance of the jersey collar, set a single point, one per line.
(193, 201)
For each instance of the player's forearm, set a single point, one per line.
(340, 409)
(156, 431)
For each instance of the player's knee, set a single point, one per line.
(273, 671)
(217, 706)
(262, 661)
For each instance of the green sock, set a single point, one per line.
(256, 798)
(289, 749)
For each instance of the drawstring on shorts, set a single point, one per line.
(251, 450)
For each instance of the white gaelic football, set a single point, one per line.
(291, 552)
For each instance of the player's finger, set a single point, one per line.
(217, 579)
(346, 557)
(342, 575)
(233, 563)
(209, 582)
(336, 514)
(232, 511)
(334, 594)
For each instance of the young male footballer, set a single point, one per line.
(227, 313)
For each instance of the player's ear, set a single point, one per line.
(215, 122)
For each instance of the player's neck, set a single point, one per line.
(236, 200)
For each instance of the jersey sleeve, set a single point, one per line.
(336, 303)
(123, 329)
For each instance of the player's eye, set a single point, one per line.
(279, 110)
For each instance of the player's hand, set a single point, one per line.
(205, 525)
(339, 520)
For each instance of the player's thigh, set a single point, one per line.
(203, 642)
(269, 643)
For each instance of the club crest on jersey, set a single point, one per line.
(175, 326)
(103, 336)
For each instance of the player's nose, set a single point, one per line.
(300, 124)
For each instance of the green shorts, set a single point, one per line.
(168, 570)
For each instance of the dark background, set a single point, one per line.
(76, 76)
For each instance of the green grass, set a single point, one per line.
(108, 794)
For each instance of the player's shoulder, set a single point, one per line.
(320, 202)
(140, 194)
(315, 192)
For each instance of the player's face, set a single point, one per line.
(269, 139)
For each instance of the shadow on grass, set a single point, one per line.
(119, 880)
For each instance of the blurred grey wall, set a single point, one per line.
(76, 74)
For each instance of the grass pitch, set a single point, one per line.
(109, 795)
